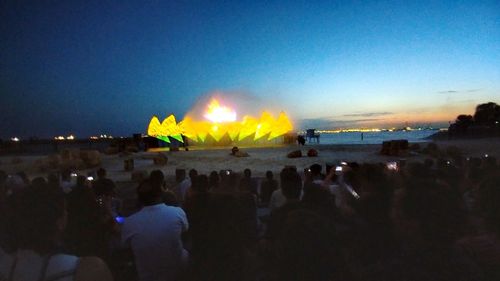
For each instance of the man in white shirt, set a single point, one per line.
(154, 234)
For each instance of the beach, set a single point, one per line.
(260, 159)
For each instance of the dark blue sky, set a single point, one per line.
(90, 67)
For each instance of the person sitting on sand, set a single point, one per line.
(35, 255)
(154, 235)
(235, 151)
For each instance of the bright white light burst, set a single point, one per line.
(219, 114)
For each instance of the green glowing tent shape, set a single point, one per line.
(163, 138)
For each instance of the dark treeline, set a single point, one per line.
(484, 122)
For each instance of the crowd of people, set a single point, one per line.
(435, 220)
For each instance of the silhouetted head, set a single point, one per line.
(148, 193)
(291, 183)
(66, 175)
(315, 169)
(39, 182)
(247, 173)
(269, 175)
(234, 150)
(192, 174)
(200, 184)
(214, 179)
(157, 177)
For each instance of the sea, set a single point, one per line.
(48, 147)
(375, 137)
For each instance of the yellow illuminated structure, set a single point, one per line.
(222, 121)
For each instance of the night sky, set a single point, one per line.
(92, 67)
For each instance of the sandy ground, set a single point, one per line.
(259, 161)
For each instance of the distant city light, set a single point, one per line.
(16, 139)
(59, 138)
(372, 130)
(106, 136)
(70, 137)
(102, 136)
(349, 131)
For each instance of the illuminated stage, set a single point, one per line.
(220, 126)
